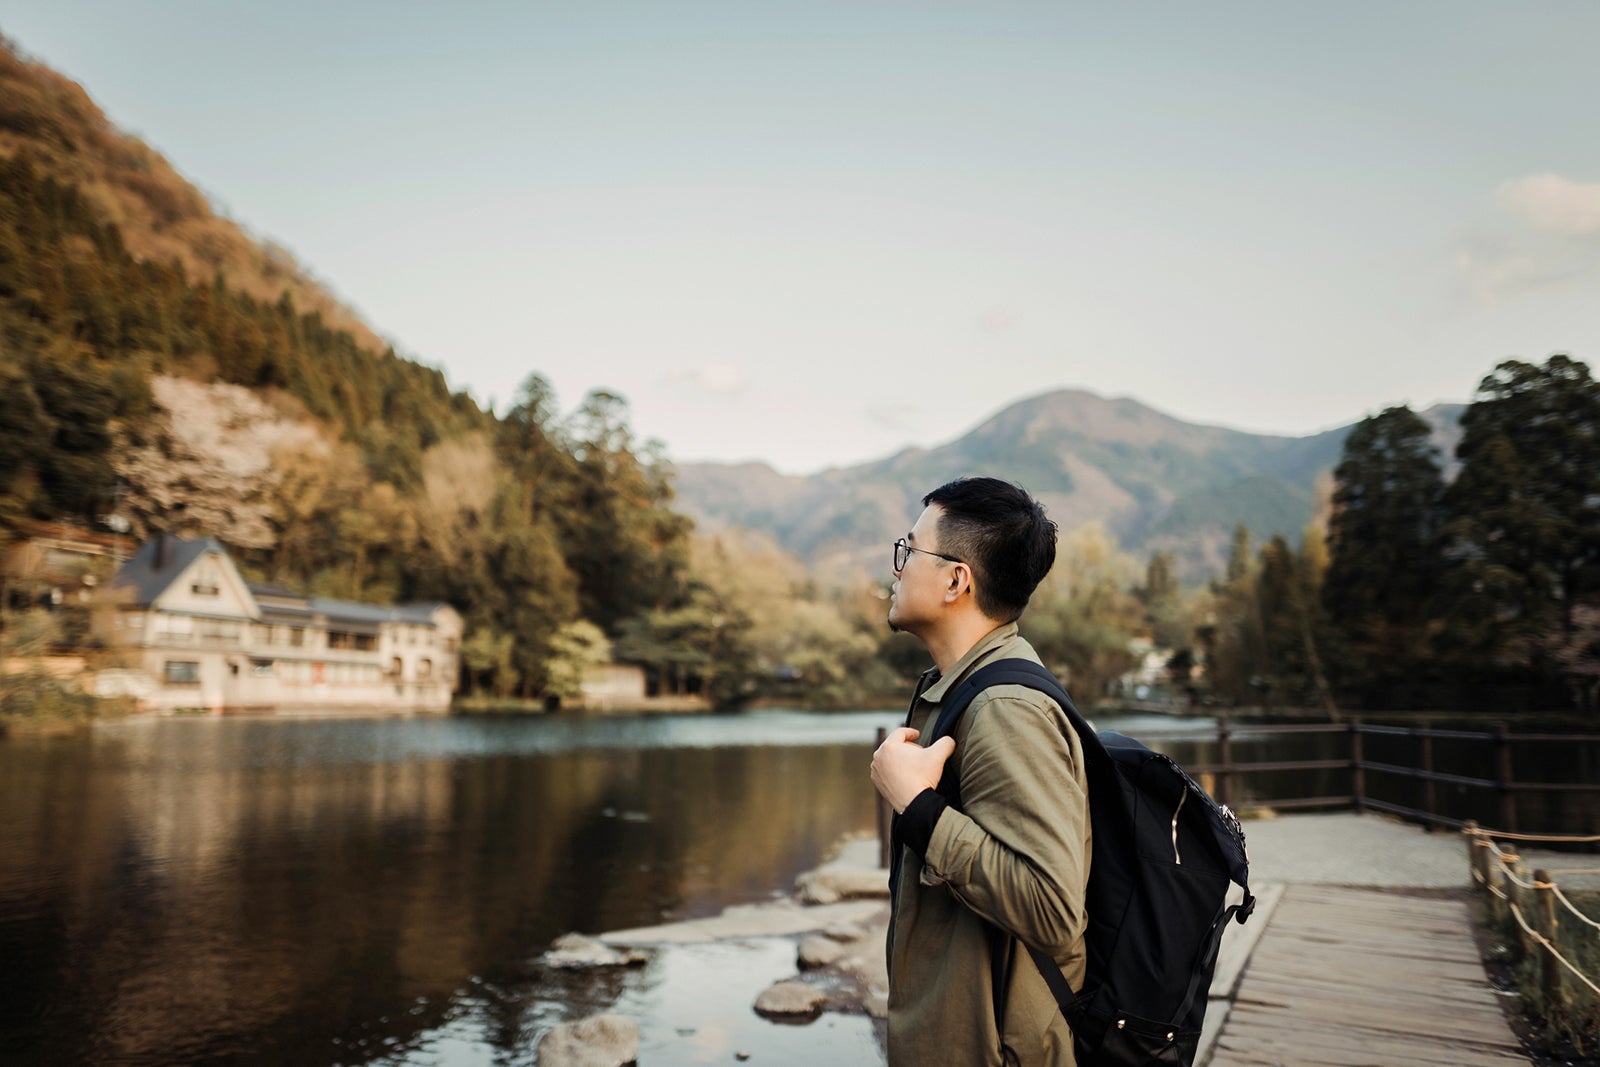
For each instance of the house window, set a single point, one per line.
(339, 639)
(181, 672)
(174, 626)
(424, 668)
(297, 636)
(205, 582)
(219, 630)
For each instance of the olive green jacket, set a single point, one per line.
(1016, 856)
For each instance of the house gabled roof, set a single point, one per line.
(159, 562)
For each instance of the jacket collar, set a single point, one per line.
(936, 687)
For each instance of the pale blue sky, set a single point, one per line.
(813, 233)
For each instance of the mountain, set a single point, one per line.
(1155, 482)
(48, 120)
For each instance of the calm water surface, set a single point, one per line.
(379, 891)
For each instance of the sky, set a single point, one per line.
(814, 233)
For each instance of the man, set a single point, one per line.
(1013, 862)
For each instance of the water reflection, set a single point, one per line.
(337, 892)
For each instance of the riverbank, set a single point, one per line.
(668, 705)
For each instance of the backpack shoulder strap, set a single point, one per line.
(1012, 672)
(1000, 672)
(1026, 673)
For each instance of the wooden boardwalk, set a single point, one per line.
(1366, 978)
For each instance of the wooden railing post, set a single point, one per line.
(1546, 925)
(1515, 875)
(1358, 781)
(1224, 755)
(1477, 853)
(884, 813)
(1497, 891)
(1503, 779)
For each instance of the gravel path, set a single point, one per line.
(1343, 848)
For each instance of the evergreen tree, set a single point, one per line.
(1523, 515)
(1385, 557)
(23, 425)
(1287, 589)
(75, 467)
(1165, 611)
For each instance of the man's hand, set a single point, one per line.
(901, 768)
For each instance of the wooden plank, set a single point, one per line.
(1346, 977)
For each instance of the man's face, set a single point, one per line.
(917, 595)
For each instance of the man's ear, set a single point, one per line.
(959, 583)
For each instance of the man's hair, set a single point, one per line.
(1003, 534)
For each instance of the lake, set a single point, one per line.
(378, 891)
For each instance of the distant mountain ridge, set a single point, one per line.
(1155, 481)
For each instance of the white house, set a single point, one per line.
(209, 639)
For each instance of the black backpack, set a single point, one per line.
(1164, 855)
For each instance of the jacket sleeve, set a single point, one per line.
(1018, 855)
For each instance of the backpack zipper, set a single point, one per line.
(1176, 812)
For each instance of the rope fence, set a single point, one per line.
(1559, 931)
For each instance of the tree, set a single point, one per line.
(627, 548)
(1287, 588)
(1576, 655)
(1084, 617)
(313, 486)
(1524, 514)
(24, 424)
(1233, 638)
(576, 649)
(1166, 613)
(487, 653)
(1385, 560)
(538, 596)
(377, 533)
(74, 462)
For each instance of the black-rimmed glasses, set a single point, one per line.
(903, 550)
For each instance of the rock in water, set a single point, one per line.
(790, 1000)
(846, 932)
(572, 951)
(819, 951)
(835, 882)
(598, 1041)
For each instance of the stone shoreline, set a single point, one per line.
(840, 911)
(838, 916)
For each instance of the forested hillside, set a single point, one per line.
(161, 369)
(51, 121)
